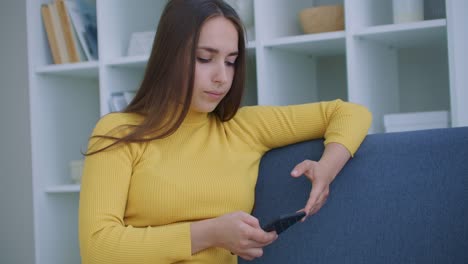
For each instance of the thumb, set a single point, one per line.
(301, 168)
(313, 198)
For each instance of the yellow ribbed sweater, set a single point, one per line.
(137, 200)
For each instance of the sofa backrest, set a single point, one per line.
(403, 198)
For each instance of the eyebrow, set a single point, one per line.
(213, 50)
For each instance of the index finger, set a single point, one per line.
(260, 236)
(251, 220)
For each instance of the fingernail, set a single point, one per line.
(294, 172)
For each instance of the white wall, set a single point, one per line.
(16, 213)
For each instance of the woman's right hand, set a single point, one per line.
(241, 234)
(238, 232)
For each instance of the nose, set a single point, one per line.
(220, 75)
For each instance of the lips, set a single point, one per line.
(214, 95)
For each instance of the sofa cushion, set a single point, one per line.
(403, 198)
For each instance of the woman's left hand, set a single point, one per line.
(321, 176)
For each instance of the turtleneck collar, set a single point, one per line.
(194, 117)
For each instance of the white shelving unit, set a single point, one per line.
(390, 68)
(64, 188)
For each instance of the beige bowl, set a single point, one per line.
(322, 19)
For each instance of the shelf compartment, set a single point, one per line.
(311, 79)
(126, 18)
(58, 232)
(89, 69)
(424, 33)
(321, 44)
(279, 18)
(370, 13)
(63, 115)
(67, 188)
(399, 79)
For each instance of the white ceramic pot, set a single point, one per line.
(408, 11)
(76, 170)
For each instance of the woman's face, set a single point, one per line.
(216, 54)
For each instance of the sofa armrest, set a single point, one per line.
(403, 198)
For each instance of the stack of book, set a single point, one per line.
(71, 31)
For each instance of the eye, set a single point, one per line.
(202, 60)
(230, 63)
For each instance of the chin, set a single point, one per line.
(205, 109)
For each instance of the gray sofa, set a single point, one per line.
(403, 198)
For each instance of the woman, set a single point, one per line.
(172, 178)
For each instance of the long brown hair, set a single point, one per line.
(165, 93)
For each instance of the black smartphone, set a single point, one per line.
(283, 222)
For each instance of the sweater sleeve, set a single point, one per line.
(104, 236)
(269, 127)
